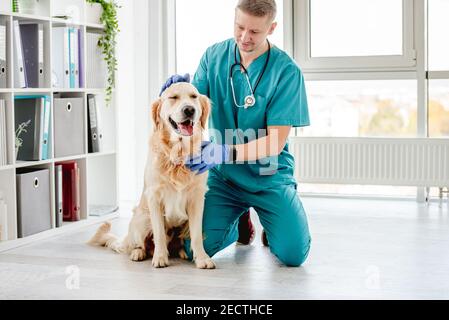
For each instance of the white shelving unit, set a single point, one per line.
(98, 171)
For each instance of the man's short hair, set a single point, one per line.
(258, 8)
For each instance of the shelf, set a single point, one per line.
(25, 164)
(31, 90)
(66, 227)
(25, 16)
(68, 90)
(95, 26)
(67, 22)
(101, 154)
(8, 167)
(69, 158)
(98, 172)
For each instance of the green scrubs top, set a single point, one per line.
(280, 101)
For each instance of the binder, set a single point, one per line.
(36, 138)
(74, 57)
(3, 220)
(70, 191)
(95, 134)
(28, 109)
(3, 139)
(58, 196)
(3, 67)
(33, 201)
(60, 56)
(68, 126)
(20, 79)
(45, 101)
(33, 53)
(80, 59)
(96, 70)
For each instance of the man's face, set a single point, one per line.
(251, 32)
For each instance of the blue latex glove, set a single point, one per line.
(212, 154)
(174, 79)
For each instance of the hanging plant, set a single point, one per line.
(107, 40)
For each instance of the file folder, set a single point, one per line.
(33, 201)
(60, 57)
(80, 59)
(96, 70)
(35, 145)
(33, 53)
(95, 140)
(74, 57)
(70, 191)
(68, 126)
(20, 80)
(45, 143)
(28, 110)
(3, 67)
(3, 138)
(58, 196)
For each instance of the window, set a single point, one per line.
(369, 28)
(201, 23)
(364, 108)
(354, 34)
(438, 108)
(438, 60)
(438, 26)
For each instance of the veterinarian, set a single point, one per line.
(257, 93)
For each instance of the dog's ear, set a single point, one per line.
(205, 106)
(155, 112)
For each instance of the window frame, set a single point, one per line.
(302, 46)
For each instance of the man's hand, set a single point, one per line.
(212, 154)
(174, 79)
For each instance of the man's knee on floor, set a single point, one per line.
(294, 254)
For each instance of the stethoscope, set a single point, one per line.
(250, 100)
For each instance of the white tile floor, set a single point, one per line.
(361, 249)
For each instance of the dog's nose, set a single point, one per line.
(189, 111)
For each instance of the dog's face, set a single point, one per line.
(181, 109)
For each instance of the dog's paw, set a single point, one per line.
(183, 255)
(137, 255)
(160, 261)
(204, 263)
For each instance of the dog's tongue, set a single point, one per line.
(186, 130)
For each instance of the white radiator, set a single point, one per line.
(371, 161)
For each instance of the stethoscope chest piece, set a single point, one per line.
(250, 101)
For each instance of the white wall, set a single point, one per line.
(132, 95)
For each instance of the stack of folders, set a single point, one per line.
(96, 68)
(32, 113)
(68, 196)
(95, 132)
(67, 49)
(3, 67)
(28, 55)
(3, 139)
(3, 219)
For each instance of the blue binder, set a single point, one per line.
(45, 138)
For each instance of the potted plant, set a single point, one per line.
(19, 130)
(107, 40)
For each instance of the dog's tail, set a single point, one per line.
(106, 239)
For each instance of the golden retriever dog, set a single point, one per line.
(172, 201)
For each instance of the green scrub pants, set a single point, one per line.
(280, 212)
